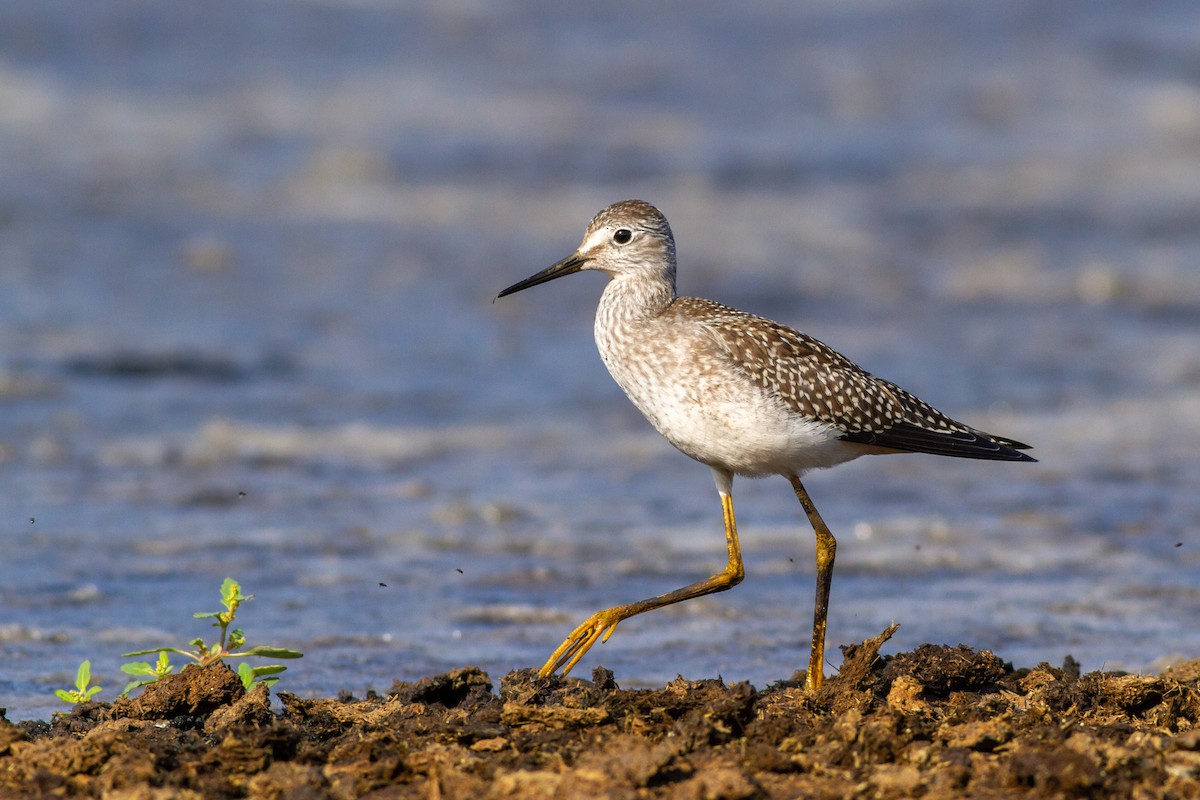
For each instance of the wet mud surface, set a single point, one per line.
(936, 722)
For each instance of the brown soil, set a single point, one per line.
(938, 722)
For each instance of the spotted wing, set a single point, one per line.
(816, 381)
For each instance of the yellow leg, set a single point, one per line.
(600, 626)
(826, 550)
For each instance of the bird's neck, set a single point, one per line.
(628, 298)
(639, 295)
(627, 309)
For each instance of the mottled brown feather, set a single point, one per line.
(817, 382)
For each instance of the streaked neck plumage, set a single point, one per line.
(631, 300)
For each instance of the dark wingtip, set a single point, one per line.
(909, 438)
(1012, 448)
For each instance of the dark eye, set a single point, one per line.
(623, 236)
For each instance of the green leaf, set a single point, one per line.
(266, 669)
(137, 668)
(83, 676)
(207, 614)
(65, 696)
(246, 673)
(263, 651)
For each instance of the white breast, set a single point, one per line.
(706, 408)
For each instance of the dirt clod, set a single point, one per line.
(194, 692)
(937, 722)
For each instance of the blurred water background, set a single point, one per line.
(248, 252)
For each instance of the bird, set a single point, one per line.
(741, 394)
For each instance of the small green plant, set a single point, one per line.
(251, 675)
(228, 645)
(82, 691)
(150, 672)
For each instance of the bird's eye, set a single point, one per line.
(622, 236)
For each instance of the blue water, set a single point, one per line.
(252, 248)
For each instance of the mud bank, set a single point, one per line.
(937, 722)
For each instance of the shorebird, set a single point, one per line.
(742, 394)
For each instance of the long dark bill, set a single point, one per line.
(572, 263)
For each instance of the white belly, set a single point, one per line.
(720, 418)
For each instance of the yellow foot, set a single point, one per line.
(597, 627)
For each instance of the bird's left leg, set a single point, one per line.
(600, 626)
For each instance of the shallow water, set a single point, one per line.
(252, 249)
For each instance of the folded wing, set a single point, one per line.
(817, 382)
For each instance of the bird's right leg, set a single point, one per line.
(826, 551)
